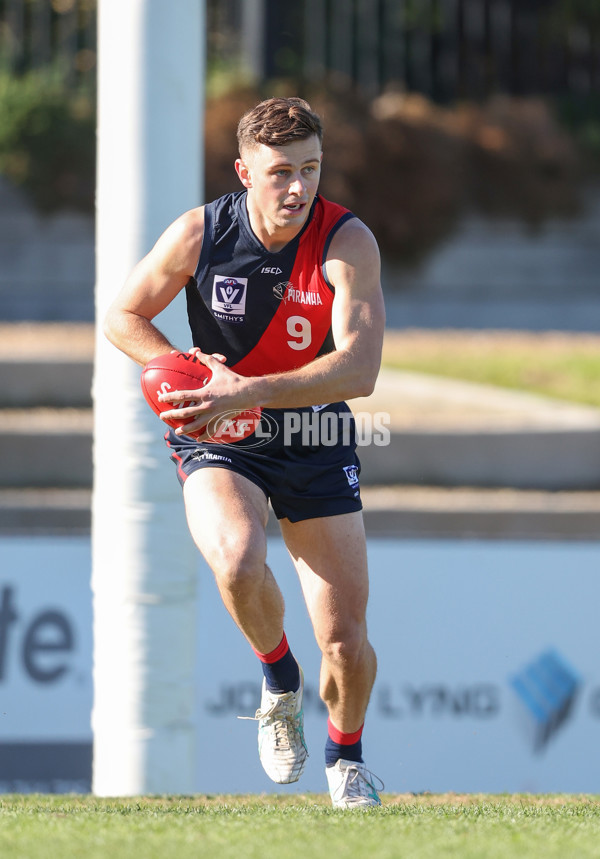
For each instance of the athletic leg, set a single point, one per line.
(331, 559)
(227, 517)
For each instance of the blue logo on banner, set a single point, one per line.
(547, 688)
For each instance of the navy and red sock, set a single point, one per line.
(282, 674)
(348, 747)
(281, 670)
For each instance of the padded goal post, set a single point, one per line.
(144, 566)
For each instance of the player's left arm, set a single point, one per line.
(353, 267)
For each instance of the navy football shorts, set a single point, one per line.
(304, 460)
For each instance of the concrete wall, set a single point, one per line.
(46, 262)
(490, 274)
(497, 274)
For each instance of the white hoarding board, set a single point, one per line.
(488, 673)
(45, 664)
(456, 626)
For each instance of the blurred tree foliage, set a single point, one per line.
(410, 168)
(48, 139)
(579, 12)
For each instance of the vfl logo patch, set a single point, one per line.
(229, 298)
(351, 474)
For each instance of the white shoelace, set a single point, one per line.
(358, 783)
(282, 720)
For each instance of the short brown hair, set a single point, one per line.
(278, 121)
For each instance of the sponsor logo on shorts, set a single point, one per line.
(201, 455)
(229, 298)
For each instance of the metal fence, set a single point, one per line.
(38, 33)
(449, 49)
(446, 49)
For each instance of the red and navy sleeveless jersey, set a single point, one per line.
(266, 312)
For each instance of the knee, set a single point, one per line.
(237, 568)
(346, 648)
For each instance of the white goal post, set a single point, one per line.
(151, 56)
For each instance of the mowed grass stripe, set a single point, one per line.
(45, 827)
(561, 365)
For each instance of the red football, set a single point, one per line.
(175, 371)
(182, 371)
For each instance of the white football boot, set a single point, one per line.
(281, 745)
(351, 785)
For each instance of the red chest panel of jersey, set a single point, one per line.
(302, 322)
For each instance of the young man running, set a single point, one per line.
(285, 308)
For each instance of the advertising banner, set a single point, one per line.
(45, 664)
(488, 674)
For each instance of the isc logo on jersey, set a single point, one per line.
(229, 298)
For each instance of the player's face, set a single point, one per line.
(282, 182)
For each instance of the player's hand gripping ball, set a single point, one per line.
(183, 371)
(175, 371)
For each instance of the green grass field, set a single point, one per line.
(243, 827)
(565, 366)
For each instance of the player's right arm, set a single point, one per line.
(151, 286)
